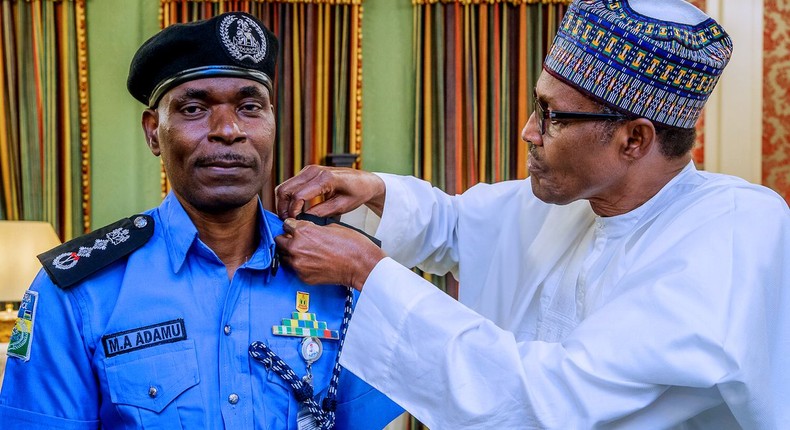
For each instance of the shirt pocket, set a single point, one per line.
(281, 408)
(145, 383)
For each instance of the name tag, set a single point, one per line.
(144, 337)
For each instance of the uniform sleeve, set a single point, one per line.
(364, 407)
(701, 308)
(56, 387)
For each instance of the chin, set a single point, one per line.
(219, 200)
(548, 194)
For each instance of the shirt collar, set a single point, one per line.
(620, 224)
(180, 235)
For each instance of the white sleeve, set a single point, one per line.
(418, 225)
(667, 331)
(445, 364)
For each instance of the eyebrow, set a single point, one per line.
(200, 94)
(250, 91)
(192, 93)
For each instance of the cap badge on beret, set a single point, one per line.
(248, 40)
(233, 45)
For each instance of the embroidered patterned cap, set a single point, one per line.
(654, 59)
(234, 44)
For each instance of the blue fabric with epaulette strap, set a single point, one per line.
(159, 339)
(75, 260)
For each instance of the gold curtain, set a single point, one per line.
(44, 129)
(318, 81)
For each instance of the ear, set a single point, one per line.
(640, 138)
(150, 124)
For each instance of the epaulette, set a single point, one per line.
(75, 260)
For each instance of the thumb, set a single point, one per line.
(289, 226)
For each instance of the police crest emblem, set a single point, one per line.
(243, 38)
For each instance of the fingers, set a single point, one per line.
(342, 189)
(330, 254)
(291, 195)
(330, 207)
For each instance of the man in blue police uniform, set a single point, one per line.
(179, 317)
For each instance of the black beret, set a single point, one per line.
(233, 44)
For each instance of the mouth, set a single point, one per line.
(225, 161)
(224, 165)
(533, 166)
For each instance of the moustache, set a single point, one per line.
(230, 158)
(533, 150)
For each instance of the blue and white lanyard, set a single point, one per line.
(303, 392)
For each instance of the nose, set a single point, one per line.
(531, 131)
(224, 126)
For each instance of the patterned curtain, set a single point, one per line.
(476, 63)
(44, 130)
(318, 81)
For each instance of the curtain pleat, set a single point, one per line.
(318, 80)
(44, 139)
(476, 63)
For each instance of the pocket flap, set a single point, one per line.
(154, 381)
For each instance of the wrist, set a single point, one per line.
(365, 265)
(376, 201)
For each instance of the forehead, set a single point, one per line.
(216, 86)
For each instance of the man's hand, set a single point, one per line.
(329, 254)
(343, 190)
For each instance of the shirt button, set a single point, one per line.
(227, 330)
(152, 392)
(233, 399)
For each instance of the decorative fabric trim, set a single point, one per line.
(476, 2)
(331, 2)
(84, 109)
(659, 70)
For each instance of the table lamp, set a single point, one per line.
(20, 242)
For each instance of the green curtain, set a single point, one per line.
(44, 137)
(318, 81)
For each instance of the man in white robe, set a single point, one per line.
(617, 287)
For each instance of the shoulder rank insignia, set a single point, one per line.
(75, 260)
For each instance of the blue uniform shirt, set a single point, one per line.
(159, 340)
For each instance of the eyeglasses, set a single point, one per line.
(554, 115)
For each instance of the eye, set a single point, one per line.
(251, 108)
(192, 109)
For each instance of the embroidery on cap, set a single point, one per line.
(67, 260)
(22, 333)
(244, 43)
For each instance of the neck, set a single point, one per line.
(232, 235)
(641, 182)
